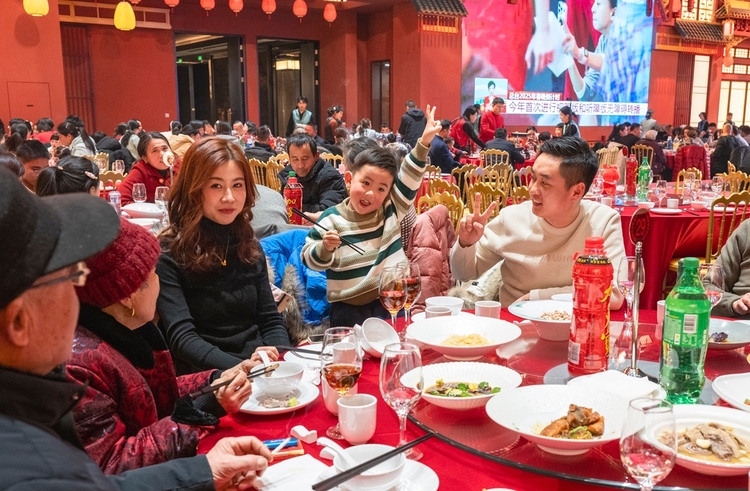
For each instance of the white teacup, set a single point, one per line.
(437, 311)
(331, 396)
(357, 417)
(488, 308)
(608, 201)
(673, 203)
(456, 304)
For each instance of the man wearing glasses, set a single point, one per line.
(44, 243)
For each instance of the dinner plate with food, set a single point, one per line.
(734, 389)
(463, 385)
(711, 440)
(263, 404)
(415, 477)
(459, 339)
(550, 317)
(560, 419)
(726, 335)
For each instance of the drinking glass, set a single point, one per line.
(160, 199)
(626, 281)
(660, 190)
(648, 442)
(398, 360)
(596, 186)
(413, 287)
(391, 291)
(118, 166)
(687, 190)
(341, 364)
(717, 185)
(712, 278)
(139, 192)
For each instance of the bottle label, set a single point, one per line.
(574, 353)
(686, 330)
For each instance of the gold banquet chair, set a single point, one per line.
(440, 186)
(489, 194)
(432, 172)
(608, 156)
(273, 167)
(738, 181)
(465, 176)
(680, 180)
(258, 170)
(522, 176)
(111, 176)
(454, 205)
(492, 157)
(334, 160)
(520, 194)
(641, 151)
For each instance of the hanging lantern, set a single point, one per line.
(236, 6)
(329, 13)
(269, 7)
(172, 3)
(36, 8)
(208, 5)
(124, 16)
(300, 9)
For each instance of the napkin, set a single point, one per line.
(617, 383)
(311, 375)
(299, 474)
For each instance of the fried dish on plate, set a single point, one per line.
(581, 423)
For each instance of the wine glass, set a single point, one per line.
(391, 291)
(118, 166)
(660, 190)
(596, 186)
(341, 364)
(160, 199)
(717, 185)
(413, 287)
(399, 359)
(626, 280)
(712, 278)
(648, 442)
(139, 192)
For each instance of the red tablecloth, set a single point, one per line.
(471, 160)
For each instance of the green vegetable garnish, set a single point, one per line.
(292, 402)
(495, 390)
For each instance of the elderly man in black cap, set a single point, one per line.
(45, 242)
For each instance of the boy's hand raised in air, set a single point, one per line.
(331, 240)
(471, 228)
(431, 128)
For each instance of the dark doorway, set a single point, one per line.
(287, 69)
(210, 77)
(381, 94)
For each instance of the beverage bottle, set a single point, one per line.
(670, 145)
(685, 338)
(114, 199)
(644, 179)
(631, 173)
(588, 345)
(293, 198)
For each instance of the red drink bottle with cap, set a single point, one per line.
(293, 198)
(588, 345)
(631, 175)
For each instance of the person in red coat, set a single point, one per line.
(151, 169)
(132, 414)
(462, 130)
(492, 120)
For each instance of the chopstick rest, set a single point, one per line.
(305, 435)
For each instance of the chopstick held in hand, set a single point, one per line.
(343, 240)
(213, 388)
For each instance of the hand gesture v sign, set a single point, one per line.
(432, 127)
(471, 228)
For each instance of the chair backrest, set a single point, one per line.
(492, 157)
(432, 172)
(520, 194)
(282, 158)
(334, 160)
(465, 176)
(489, 194)
(111, 176)
(727, 213)
(738, 181)
(273, 167)
(680, 180)
(608, 156)
(258, 169)
(522, 177)
(454, 205)
(440, 186)
(641, 151)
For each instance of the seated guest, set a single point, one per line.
(323, 186)
(44, 129)
(741, 142)
(215, 303)
(70, 175)
(690, 137)
(538, 239)
(721, 154)
(440, 155)
(45, 241)
(500, 142)
(73, 135)
(123, 418)
(451, 144)
(492, 120)
(132, 137)
(112, 147)
(312, 130)
(35, 158)
(659, 162)
(183, 140)
(151, 169)
(558, 130)
(11, 162)
(632, 137)
(263, 140)
(544, 137)
(735, 263)
(223, 130)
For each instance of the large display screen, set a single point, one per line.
(540, 55)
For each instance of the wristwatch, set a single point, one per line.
(584, 56)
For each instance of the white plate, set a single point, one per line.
(666, 211)
(305, 393)
(689, 415)
(421, 316)
(563, 297)
(734, 389)
(432, 332)
(416, 477)
(146, 223)
(534, 309)
(143, 210)
(528, 410)
(305, 359)
(464, 371)
(738, 334)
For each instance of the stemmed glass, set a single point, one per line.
(160, 199)
(139, 192)
(391, 291)
(626, 281)
(712, 278)
(596, 186)
(687, 190)
(341, 364)
(118, 166)
(398, 360)
(717, 185)
(648, 442)
(413, 287)
(660, 190)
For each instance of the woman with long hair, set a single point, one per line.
(334, 120)
(70, 175)
(215, 305)
(462, 129)
(567, 116)
(151, 169)
(73, 135)
(131, 138)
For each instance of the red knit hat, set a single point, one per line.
(120, 269)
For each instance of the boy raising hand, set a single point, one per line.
(380, 195)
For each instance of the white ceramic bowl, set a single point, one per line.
(698, 205)
(143, 210)
(376, 335)
(432, 332)
(550, 330)
(456, 304)
(646, 205)
(528, 410)
(146, 223)
(382, 476)
(464, 371)
(282, 381)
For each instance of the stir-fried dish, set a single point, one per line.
(465, 340)
(713, 442)
(718, 337)
(581, 423)
(556, 315)
(461, 389)
(271, 403)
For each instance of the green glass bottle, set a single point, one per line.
(644, 180)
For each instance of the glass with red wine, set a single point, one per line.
(341, 364)
(413, 288)
(392, 291)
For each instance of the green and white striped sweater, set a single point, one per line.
(353, 278)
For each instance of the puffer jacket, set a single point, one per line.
(429, 246)
(180, 144)
(691, 156)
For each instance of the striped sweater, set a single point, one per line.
(353, 278)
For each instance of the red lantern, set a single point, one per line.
(269, 7)
(236, 6)
(172, 3)
(300, 9)
(329, 13)
(208, 5)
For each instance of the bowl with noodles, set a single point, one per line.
(550, 317)
(463, 339)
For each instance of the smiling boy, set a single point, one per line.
(380, 196)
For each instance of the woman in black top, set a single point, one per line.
(570, 128)
(215, 304)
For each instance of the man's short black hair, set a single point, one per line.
(264, 133)
(301, 99)
(560, 125)
(501, 133)
(300, 140)
(627, 124)
(32, 150)
(410, 104)
(445, 124)
(544, 136)
(635, 126)
(354, 147)
(382, 158)
(578, 162)
(313, 126)
(384, 125)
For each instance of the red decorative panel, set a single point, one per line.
(77, 68)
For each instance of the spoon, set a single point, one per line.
(327, 442)
(266, 361)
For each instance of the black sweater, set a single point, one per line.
(216, 319)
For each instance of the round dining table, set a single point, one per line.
(471, 453)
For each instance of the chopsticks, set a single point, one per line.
(334, 481)
(303, 350)
(343, 240)
(213, 388)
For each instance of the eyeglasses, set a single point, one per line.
(78, 277)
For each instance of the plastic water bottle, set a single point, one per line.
(588, 345)
(631, 174)
(670, 144)
(114, 198)
(685, 338)
(293, 198)
(644, 179)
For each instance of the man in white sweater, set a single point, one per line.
(537, 240)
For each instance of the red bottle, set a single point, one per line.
(293, 198)
(631, 176)
(588, 346)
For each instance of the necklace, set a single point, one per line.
(226, 253)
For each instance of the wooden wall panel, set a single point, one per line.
(77, 68)
(683, 88)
